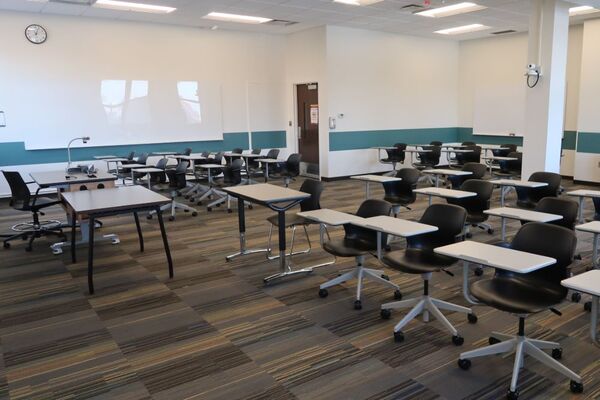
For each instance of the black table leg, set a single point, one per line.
(165, 240)
(91, 255)
(281, 221)
(73, 237)
(242, 228)
(139, 231)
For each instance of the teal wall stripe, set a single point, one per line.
(354, 140)
(269, 139)
(14, 153)
(569, 140)
(588, 142)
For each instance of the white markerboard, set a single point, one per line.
(499, 110)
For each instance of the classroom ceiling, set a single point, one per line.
(386, 15)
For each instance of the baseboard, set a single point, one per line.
(587, 183)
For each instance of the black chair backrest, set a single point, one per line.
(292, 165)
(514, 166)
(551, 190)
(431, 158)
(187, 151)
(256, 151)
(569, 210)
(435, 143)
(315, 188)
(20, 195)
(232, 174)
(504, 150)
(160, 177)
(142, 158)
(237, 150)
(368, 208)
(449, 219)
(478, 170)
(474, 156)
(130, 156)
(273, 153)
(468, 144)
(176, 176)
(205, 153)
(397, 154)
(546, 240)
(218, 158)
(475, 204)
(403, 188)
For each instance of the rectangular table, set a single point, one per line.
(445, 172)
(148, 171)
(374, 178)
(504, 183)
(266, 162)
(109, 202)
(594, 228)
(521, 214)
(588, 282)
(582, 194)
(488, 255)
(277, 198)
(444, 193)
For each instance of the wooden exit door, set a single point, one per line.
(307, 100)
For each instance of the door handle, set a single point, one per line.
(299, 133)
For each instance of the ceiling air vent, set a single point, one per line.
(280, 22)
(503, 32)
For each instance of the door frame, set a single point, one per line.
(295, 121)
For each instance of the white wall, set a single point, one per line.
(587, 167)
(383, 81)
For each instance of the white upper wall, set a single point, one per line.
(589, 110)
(387, 81)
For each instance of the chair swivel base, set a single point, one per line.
(173, 206)
(58, 248)
(31, 235)
(360, 273)
(521, 345)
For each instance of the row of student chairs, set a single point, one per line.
(517, 294)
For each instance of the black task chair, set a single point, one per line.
(428, 159)
(22, 200)
(468, 143)
(156, 178)
(395, 156)
(510, 169)
(256, 170)
(526, 294)
(400, 193)
(435, 143)
(232, 157)
(476, 205)
(289, 170)
(504, 150)
(125, 173)
(420, 259)
(529, 197)
(232, 176)
(177, 181)
(477, 171)
(315, 189)
(357, 243)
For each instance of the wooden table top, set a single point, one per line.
(58, 178)
(115, 199)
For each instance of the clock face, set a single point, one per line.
(36, 34)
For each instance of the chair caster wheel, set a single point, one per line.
(576, 297)
(357, 305)
(458, 340)
(557, 353)
(385, 313)
(323, 293)
(194, 214)
(397, 295)
(171, 218)
(148, 216)
(384, 276)
(229, 211)
(398, 337)
(512, 395)
(209, 209)
(250, 206)
(576, 387)
(478, 271)
(472, 318)
(469, 235)
(493, 340)
(186, 211)
(464, 364)
(490, 231)
(587, 306)
(6, 245)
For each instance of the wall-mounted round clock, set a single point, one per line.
(36, 34)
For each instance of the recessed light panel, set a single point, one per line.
(129, 6)
(244, 19)
(463, 29)
(454, 9)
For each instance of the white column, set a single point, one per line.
(545, 106)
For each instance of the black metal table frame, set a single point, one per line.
(92, 217)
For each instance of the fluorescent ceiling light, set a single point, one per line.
(357, 2)
(454, 9)
(245, 19)
(463, 29)
(129, 6)
(582, 10)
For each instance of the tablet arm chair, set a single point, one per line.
(293, 221)
(476, 205)
(232, 176)
(22, 200)
(394, 156)
(256, 170)
(435, 143)
(289, 170)
(510, 169)
(477, 171)
(526, 294)
(504, 150)
(358, 242)
(400, 193)
(420, 259)
(529, 197)
(177, 181)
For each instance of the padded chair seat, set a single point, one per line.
(516, 295)
(290, 220)
(40, 202)
(526, 204)
(476, 218)
(402, 200)
(348, 247)
(417, 261)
